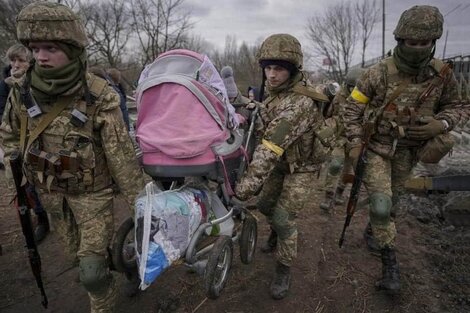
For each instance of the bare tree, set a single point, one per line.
(73, 4)
(333, 35)
(196, 43)
(159, 25)
(8, 13)
(242, 59)
(108, 29)
(367, 14)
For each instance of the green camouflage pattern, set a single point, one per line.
(50, 21)
(87, 227)
(387, 176)
(108, 151)
(387, 168)
(378, 83)
(283, 196)
(339, 153)
(283, 47)
(421, 22)
(290, 120)
(333, 175)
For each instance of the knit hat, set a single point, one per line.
(229, 81)
(285, 64)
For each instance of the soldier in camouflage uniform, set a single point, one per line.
(340, 163)
(68, 125)
(283, 163)
(407, 113)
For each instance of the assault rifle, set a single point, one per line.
(23, 208)
(357, 180)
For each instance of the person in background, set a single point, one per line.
(18, 58)
(115, 75)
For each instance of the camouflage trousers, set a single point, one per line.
(339, 166)
(282, 197)
(85, 224)
(387, 176)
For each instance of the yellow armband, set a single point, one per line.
(273, 147)
(357, 95)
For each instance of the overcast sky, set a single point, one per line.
(254, 20)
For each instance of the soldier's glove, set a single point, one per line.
(432, 128)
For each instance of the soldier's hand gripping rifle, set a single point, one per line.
(23, 208)
(357, 181)
(243, 163)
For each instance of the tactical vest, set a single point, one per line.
(67, 157)
(405, 109)
(307, 152)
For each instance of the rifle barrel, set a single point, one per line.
(23, 209)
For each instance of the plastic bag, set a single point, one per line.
(165, 223)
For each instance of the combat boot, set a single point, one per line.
(371, 243)
(390, 281)
(327, 203)
(270, 245)
(338, 196)
(42, 227)
(281, 281)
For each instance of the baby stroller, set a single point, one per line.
(186, 130)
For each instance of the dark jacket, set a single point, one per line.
(4, 89)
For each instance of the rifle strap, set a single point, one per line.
(47, 119)
(309, 92)
(437, 80)
(396, 93)
(23, 127)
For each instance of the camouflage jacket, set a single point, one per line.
(289, 122)
(338, 102)
(374, 91)
(101, 149)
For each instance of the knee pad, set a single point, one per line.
(94, 273)
(380, 208)
(335, 167)
(282, 224)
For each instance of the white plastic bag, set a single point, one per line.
(165, 222)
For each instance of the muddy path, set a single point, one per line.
(434, 260)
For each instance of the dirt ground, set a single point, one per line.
(434, 259)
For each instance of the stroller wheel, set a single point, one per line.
(218, 266)
(123, 252)
(248, 239)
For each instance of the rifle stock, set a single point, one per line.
(357, 180)
(23, 208)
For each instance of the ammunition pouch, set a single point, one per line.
(395, 120)
(63, 172)
(436, 148)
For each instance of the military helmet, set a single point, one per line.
(281, 47)
(353, 75)
(421, 22)
(48, 21)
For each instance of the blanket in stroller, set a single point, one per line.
(165, 222)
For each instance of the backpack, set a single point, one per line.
(185, 123)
